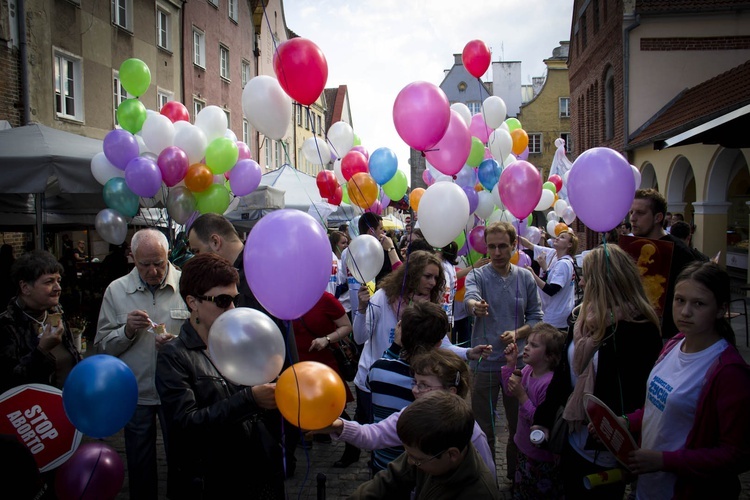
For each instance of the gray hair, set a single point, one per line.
(149, 234)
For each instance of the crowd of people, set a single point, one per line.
(431, 369)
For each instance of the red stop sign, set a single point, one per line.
(34, 413)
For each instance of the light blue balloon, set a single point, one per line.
(118, 196)
(383, 165)
(489, 173)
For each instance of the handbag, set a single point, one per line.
(346, 354)
(558, 435)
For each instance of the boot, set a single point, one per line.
(350, 456)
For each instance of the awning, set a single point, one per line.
(730, 130)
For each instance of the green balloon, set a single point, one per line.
(512, 124)
(214, 200)
(131, 113)
(221, 155)
(460, 239)
(395, 188)
(135, 76)
(529, 220)
(477, 153)
(473, 256)
(357, 141)
(550, 186)
(345, 194)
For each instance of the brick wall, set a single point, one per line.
(696, 43)
(16, 240)
(10, 90)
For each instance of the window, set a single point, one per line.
(245, 132)
(596, 16)
(475, 107)
(299, 115)
(233, 10)
(163, 97)
(224, 62)
(245, 73)
(215, 3)
(320, 126)
(279, 154)
(122, 13)
(120, 94)
(609, 104)
(568, 138)
(307, 119)
(535, 143)
(68, 87)
(198, 106)
(565, 107)
(229, 121)
(199, 48)
(584, 38)
(267, 147)
(162, 29)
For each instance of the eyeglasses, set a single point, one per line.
(420, 387)
(222, 301)
(419, 463)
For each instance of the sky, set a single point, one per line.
(377, 47)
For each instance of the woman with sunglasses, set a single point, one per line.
(215, 434)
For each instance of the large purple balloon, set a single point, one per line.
(288, 262)
(449, 155)
(94, 472)
(520, 187)
(143, 176)
(601, 188)
(173, 164)
(421, 114)
(244, 177)
(120, 146)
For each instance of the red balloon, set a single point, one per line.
(557, 181)
(352, 163)
(337, 196)
(175, 111)
(302, 70)
(326, 181)
(476, 58)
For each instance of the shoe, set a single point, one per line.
(345, 462)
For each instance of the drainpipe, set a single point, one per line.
(626, 77)
(23, 54)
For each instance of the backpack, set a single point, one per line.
(577, 271)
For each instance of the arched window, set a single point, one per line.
(609, 104)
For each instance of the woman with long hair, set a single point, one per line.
(339, 241)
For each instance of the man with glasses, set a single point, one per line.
(132, 309)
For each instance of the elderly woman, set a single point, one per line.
(36, 345)
(216, 439)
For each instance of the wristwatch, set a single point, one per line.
(328, 339)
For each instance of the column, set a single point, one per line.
(711, 228)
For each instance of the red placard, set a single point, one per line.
(609, 428)
(34, 413)
(653, 259)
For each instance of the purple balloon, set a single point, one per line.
(143, 177)
(523, 259)
(244, 178)
(601, 188)
(288, 262)
(383, 198)
(467, 177)
(524, 155)
(120, 146)
(362, 150)
(421, 114)
(449, 155)
(427, 177)
(473, 197)
(464, 249)
(376, 207)
(245, 153)
(479, 128)
(95, 471)
(520, 187)
(173, 164)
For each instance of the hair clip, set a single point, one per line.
(458, 378)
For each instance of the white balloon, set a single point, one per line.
(179, 125)
(212, 120)
(559, 142)
(551, 227)
(192, 141)
(442, 212)
(103, 170)
(486, 204)
(142, 148)
(443, 178)
(229, 134)
(552, 216)
(546, 200)
(470, 223)
(637, 175)
(365, 258)
(494, 111)
(463, 110)
(316, 151)
(501, 144)
(496, 197)
(158, 133)
(341, 137)
(337, 171)
(507, 217)
(267, 107)
(569, 216)
(565, 177)
(505, 127)
(533, 234)
(509, 159)
(560, 206)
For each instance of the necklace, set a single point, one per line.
(40, 324)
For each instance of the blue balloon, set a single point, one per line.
(489, 173)
(100, 395)
(383, 165)
(118, 196)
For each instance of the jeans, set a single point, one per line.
(140, 448)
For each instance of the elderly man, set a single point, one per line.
(132, 309)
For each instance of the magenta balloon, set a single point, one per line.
(143, 177)
(473, 197)
(376, 207)
(120, 146)
(427, 177)
(479, 128)
(476, 239)
(601, 188)
(95, 471)
(449, 155)
(244, 178)
(421, 114)
(520, 188)
(362, 150)
(173, 164)
(244, 150)
(288, 262)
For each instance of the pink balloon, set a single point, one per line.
(244, 177)
(244, 150)
(301, 69)
(427, 177)
(476, 239)
(601, 188)
(520, 188)
(449, 155)
(376, 207)
(173, 163)
(487, 153)
(479, 128)
(476, 58)
(362, 150)
(421, 114)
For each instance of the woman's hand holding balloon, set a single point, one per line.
(265, 396)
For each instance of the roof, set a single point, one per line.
(728, 92)
(687, 6)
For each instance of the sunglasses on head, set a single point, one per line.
(222, 301)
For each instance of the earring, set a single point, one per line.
(197, 321)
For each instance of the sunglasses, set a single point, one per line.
(222, 301)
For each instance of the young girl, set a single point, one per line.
(537, 474)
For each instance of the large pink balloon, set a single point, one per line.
(302, 70)
(479, 128)
(520, 187)
(288, 262)
(601, 188)
(449, 155)
(421, 114)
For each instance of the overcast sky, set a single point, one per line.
(377, 47)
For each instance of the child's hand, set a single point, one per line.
(516, 389)
(511, 354)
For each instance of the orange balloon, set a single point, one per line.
(514, 258)
(478, 187)
(198, 178)
(560, 228)
(414, 197)
(520, 140)
(362, 189)
(310, 395)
